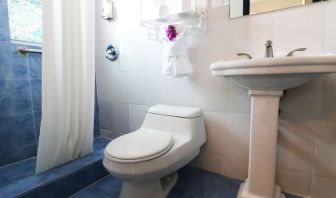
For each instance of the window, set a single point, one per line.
(25, 20)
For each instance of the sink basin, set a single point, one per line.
(275, 73)
(266, 79)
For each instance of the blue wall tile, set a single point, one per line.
(14, 96)
(18, 131)
(4, 25)
(36, 93)
(20, 94)
(34, 63)
(12, 156)
(37, 119)
(12, 65)
(96, 116)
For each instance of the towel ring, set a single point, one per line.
(112, 52)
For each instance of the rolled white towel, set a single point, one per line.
(176, 58)
(107, 9)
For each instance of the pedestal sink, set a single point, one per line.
(266, 78)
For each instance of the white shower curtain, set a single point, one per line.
(68, 72)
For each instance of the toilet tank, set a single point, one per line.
(182, 122)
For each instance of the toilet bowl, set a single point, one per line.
(148, 158)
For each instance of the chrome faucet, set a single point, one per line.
(269, 49)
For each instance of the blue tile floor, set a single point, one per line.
(20, 177)
(192, 183)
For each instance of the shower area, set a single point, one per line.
(20, 112)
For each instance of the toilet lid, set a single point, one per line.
(141, 145)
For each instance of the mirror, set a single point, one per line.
(240, 8)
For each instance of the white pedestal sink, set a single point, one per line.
(266, 79)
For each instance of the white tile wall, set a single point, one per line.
(302, 27)
(323, 187)
(307, 136)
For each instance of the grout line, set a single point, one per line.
(31, 100)
(16, 162)
(315, 160)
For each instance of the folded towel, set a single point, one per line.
(176, 58)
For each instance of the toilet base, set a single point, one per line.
(158, 188)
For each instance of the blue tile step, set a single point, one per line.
(192, 183)
(19, 179)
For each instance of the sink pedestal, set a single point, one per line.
(263, 143)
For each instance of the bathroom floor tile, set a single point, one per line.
(192, 183)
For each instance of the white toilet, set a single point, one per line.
(147, 159)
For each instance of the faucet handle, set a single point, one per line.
(244, 54)
(291, 53)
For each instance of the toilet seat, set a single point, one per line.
(139, 146)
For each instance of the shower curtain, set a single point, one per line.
(68, 74)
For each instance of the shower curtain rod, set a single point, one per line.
(24, 50)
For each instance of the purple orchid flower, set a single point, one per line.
(171, 32)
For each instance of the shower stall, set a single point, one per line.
(20, 111)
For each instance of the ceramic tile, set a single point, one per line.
(37, 122)
(302, 103)
(155, 89)
(120, 118)
(17, 171)
(296, 145)
(237, 136)
(15, 96)
(91, 192)
(12, 65)
(209, 162)
(249, 34)
(181, 91)
(238, 99)
(134, 45)
(227, 134)
(211, 93)
(305, 27)
(113, 87)
(228, 166)
(136, 92)
(154, 55)
(96, 127)
(35, 65)
(19, 130)
(215, 126)
(74, 182)
(328, 111)
(294, 182)
(60, 181)
(36, 93)
(109, 134)
(137, 115)
(323, 187)
(4, 25)
(106, 114)
(22, 153)
(330, 42)
(234, 168)
(326, 150)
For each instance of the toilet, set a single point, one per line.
(148, 158)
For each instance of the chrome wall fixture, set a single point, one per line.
(24, 50)
(112, 52)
